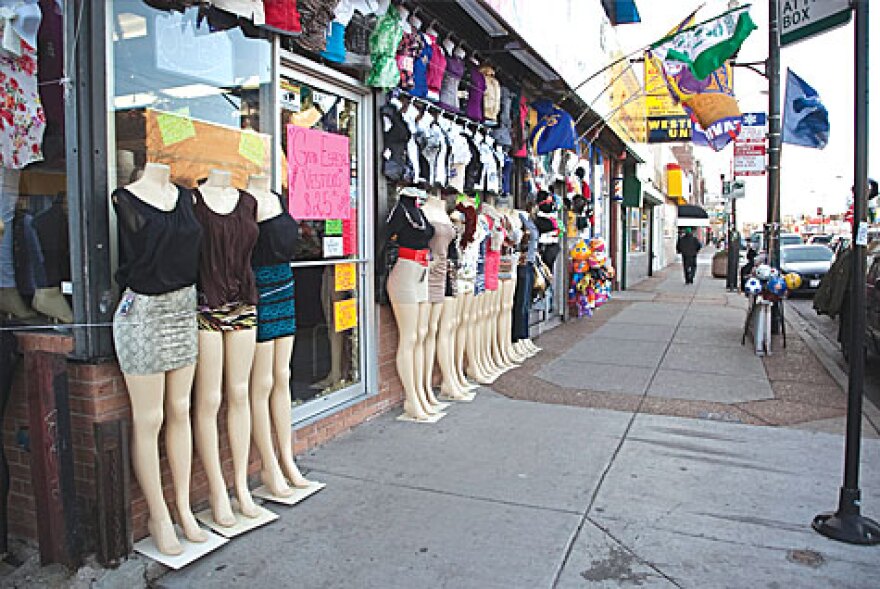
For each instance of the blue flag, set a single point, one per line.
(804, 118)
(555, 129)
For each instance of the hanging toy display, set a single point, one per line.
(591, 277)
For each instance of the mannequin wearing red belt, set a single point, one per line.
(408, 292)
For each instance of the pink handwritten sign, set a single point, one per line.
(319, 174)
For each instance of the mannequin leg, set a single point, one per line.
(436, 311)
(407, 316)
(486, 335)
(178, 446)
(146, 393)
(506, 322)
(419, 358)
(208, 395)
(494, 328)
(238, 359)
(461, 339)
(328, 296)
(261, 388)
(474, 369)
(280, 402)
(446, 339)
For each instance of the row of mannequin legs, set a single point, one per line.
(470, 338)
(254, 379)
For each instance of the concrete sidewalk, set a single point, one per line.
(634, 451)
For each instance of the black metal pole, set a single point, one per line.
(774, 150)
(847, 524)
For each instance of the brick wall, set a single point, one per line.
(98, 393)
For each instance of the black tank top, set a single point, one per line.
(278, 241)
(408, 225)
(158, 250)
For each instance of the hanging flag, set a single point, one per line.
(804, 118)
(555, 129)
(705, 47)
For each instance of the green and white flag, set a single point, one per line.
(706, 46)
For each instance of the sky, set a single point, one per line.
(810, 178)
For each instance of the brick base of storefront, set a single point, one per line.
(97, 394)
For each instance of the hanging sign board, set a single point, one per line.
(319, 174)
(754, 128)
(802, 19)
(345, 277)
(748, 159)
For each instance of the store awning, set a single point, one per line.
(621, 12)
(692, 216)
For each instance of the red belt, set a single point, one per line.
(420, 256)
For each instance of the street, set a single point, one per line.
(824, 330)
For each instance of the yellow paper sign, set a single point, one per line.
(346, 279)
(175, 126)
(345, 314)
(252, 147)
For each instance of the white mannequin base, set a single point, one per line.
(192, 551)
(242, 524)
(431, 418)
(441, 407)
(299, 493)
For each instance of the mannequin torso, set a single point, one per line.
(218, 193)
(268, 205)
(155, 187)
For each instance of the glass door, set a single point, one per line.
(323, 178)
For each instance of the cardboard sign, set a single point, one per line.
(252, 147)
(345, 277)
(345, 314)
(319, 174)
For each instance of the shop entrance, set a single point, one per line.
(323, 122)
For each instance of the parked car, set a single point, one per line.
(820, 239)
(839, 243)
(785, 239)
(811, 262)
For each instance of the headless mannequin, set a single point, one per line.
(493, 308)
(508, 287)
(270, 382)
(465, 298)
(411, 312)
(435, 211)
(478, 368)
(225, 358)
(162, 398)
(453, 385)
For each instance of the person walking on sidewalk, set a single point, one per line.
(688, 246)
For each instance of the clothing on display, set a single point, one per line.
(518, 127)
(156, 333)
(225, 274)
(22, 120)
(453, 259)
(227, 317)
(408, 51)
(489, 180)
(451, 81)
(315, 17)
(411, 230)
(420, 67)
(408, 226)
(278, 239)
(473, 172)
(444, 234)
(357, 39)
(493, 252)
(384, 43)
(502, 133)
(282, 17)
(158, 250)
(476, 90)
(249, 9)
(30, 272)
(52, 232)
(436, 68)
(276, 311)
(396, 136)
(492, 95)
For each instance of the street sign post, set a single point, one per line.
(802, 19)
(749, 159)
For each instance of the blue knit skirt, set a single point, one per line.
(276, 315)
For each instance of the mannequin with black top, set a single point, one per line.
(155, 335)
(438, 276)
(276, 325)
(408, 292)
(227, 336)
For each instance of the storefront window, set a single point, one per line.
(34, 249)
(187, 92)
(636, 232)
(320, 127)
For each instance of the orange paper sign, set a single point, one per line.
(346, 277)
(345, 314)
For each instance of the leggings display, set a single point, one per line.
(522, 300)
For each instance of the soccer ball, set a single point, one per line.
(777, 285)
(753, 286)
(763, 272)
(793, 280)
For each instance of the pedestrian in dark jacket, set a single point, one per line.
(688, 246)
